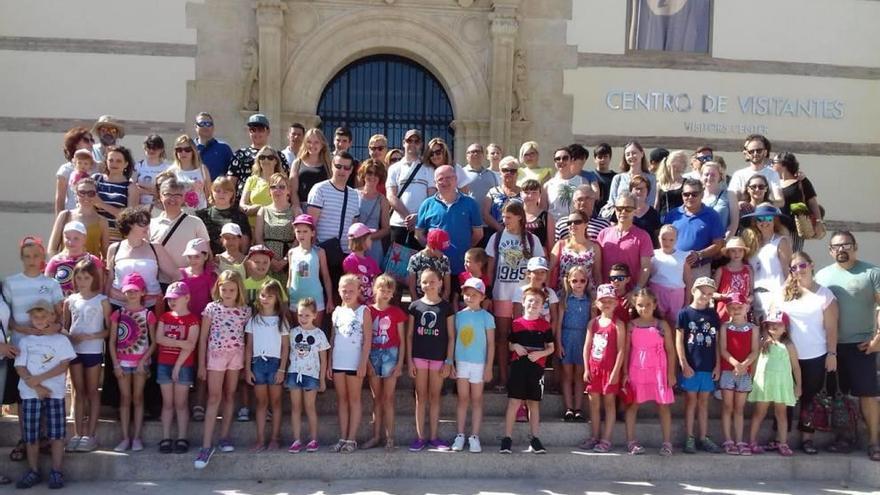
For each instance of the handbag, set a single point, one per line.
(332, 247)
(844, 415)
(396, 262)
(808, 226)
(817, 414)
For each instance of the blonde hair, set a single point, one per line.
(358, 243)
(566, 285)
(323, 155)
(257, 169)
(223, 183)
(668, 228)
(196, 158)
(664, 171)
(350, 278)
(384, 281)
(792, 288)
(230, 276)
(308, 303)
(527, 147)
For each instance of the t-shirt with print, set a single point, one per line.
(177, 328)
(267, 337)
(534, 335)
(39, 354)
(560, 193)
(214, 219)
(700, 327)
(305, 349)
(471, 328)
(510, 262)
(386, 333)
(227, 326)
(60, 267)
(22, 292)
(416, 192)
(366, 269)
(419, 261)
(132, 334)
(87, 318)
(348, 337)
(430, 332)
(551, 298)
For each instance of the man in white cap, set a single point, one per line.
(108, 130)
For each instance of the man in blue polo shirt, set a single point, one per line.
(700, 231)
(454, 212)
(215, 154)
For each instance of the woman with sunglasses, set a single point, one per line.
(393, 156)
(812, 311)
(146, 170)
(255, 193)
(97, 229)
(576, 250)
(754, 193)
(75, 139)
(310, 167)
(192, 174)
(274, 225)
(500, 195)
(770, 248)
(633, 163)
(116, 191)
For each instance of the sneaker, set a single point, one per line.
(567, 416)
(87, 444)
(506, 446)
(296, 447)
(666, 449)
(474, 444)
(579, 416)
(349, 447)
(536, 447)
(122, 446)
(730, 448)
(338, 447)
(522, 414)
(418, 445)
(56, 480)
(226, 445)
(72, 444)
(244, 414)
(690, 445)
(458, 443)
(312, 446)
(137, 445)
(437, 444)
(203, 458)
(29, 479)
(707, 445)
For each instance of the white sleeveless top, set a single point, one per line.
(668, 269)
(148, 269)
(768, 269)
(87, 317)
(192, 180)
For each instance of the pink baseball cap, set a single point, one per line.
(196, 246)
(133, 281)
(476, 284)
(438, 239)
(606, 291)
(304, 219)
(776, 316)
(736, 298)
(177, 290)
(359, 230)
(260, 249)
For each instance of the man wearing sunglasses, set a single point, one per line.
(700, 230)
(215, 154)
(856, 285)
(756, 151)
(409, 183)
(243, 158)
(334, 206)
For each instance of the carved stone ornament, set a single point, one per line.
(250, 64)
(503, 25)
(520, 87)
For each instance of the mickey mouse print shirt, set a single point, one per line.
(304, 348)
(430, 331)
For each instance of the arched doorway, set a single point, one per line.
(385, 94)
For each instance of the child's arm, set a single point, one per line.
(411, 284)
(401, 353)
(490, 355)
(616, 371)
(795, 368)
(33, 380)
(722, 348)
(585, 352)
(597, 271)
(366, 344)
(203, 347)
(105, 307)
(549, 348)
(448, 366)
(161, 339)
(322, 375)
(152, 331)
(756, 348)
(686, 370)
(410, 329)
(192, 338)
(248, 356)
(285, 354)
(555, 320)
(447, 286)
(66, 320)
(327, 281)
(111, 349)
(716, 370)
(670, 354)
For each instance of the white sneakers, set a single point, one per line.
(473, 443)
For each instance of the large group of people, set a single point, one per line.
(166, 283)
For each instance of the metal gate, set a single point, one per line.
(385, 94)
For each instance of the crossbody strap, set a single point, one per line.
(342, 216)
(173, 229)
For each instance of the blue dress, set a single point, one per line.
(574, 328)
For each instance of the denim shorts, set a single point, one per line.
(700, 382)
(264, 370)
(186, 376)
(301, 382)
(729, 381)
(384, 360)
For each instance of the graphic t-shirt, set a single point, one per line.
(86, 318)
(430, 332)
(419, 261)
(534, 335)
(132, 335)
(60, 267)
(560, 193)
(39, 354)
(510, 262)
(471, 328)
(700, 327)
(177, 328)
(227, 326)
(366, 269)
(305, 349)
(348, 337)
(385, 326)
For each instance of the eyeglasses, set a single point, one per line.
(799, 267)
(173, 195)
(257, 128)
(142, 223)
(756, 151)
(266, 157)
(846, 246)
(204, 123)
(691, 194)
(622, 209)
(764, 218)
(530, 153)
(618, 278)
(339, 166)
(508, 170)
(436, 152)
(278, 187)
(87, 194)
(182, 150)
(563, 158)
(757, 187)
(377, 148)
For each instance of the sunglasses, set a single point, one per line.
(799, 267)
(413, 140)
(563, 158)
(764, 218)
(690, 194)
(704, 158)
(757, 151)
(205, 123)
(142, 223)
(474, 152)
(757, 187)
(508, 170)
(182, 150)
(618, 278)
(338, 166)
(266, 157)
(627, 209)
(278, 187)
(87, 194)
(436, 152)
(576, 222)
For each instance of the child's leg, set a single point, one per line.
(377, 392)
(610, 402)
(464, 399)
(261, 402)
(781, 423)
(212, 404)
(703, 413)
(665, 422)
(578, 384)
(310, 398)
(57, 449)
(566, 381)
(510, 415)
(125, 403)
(181, 406)
(33, 455)
(534, 416)
(421, 398)
(275, 400)
(739, 409)
(388, 398)
(230, 384)
(690, 411)
(727, 414)
(138, 382)
(596, 401)
(757, 417)
(342, 400)
(354, 384)
(501, 352)
(167, 390)
(476, 390)
(93, 381)
(296, 409)
(77, 379)
(435, 383)
(631, 411)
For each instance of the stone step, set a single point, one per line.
(558, 463)
(553, 432)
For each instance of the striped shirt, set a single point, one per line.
(112, 193)
(326, 197)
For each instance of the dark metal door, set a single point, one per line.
(385, 94)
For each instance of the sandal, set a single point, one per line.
(744, 448)
(785, 450)
(274, 445)
(166, 446)
(389, 445)
(874, 452)
(666, 449)
(809, 447)
(181, 446)
(198, 413)
(18, 452)
(29, 479)
(588, 444)
(634, 448)
(603, 447)
(730, 448)
(349, 447)
(756, 449)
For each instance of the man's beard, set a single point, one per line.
(841, 257)
(107, 139)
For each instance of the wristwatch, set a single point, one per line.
(448, 361)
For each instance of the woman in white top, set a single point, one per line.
(812, 311)
(192, 174)
(146, 170)
(770, 246)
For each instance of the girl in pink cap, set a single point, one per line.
(308, 275)
(358, 263)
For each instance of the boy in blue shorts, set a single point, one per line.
(696, 343)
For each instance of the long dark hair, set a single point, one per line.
(516, 208)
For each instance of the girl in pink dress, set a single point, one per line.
(651, 372)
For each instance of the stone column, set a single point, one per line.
(270, 24)
(504, 29)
